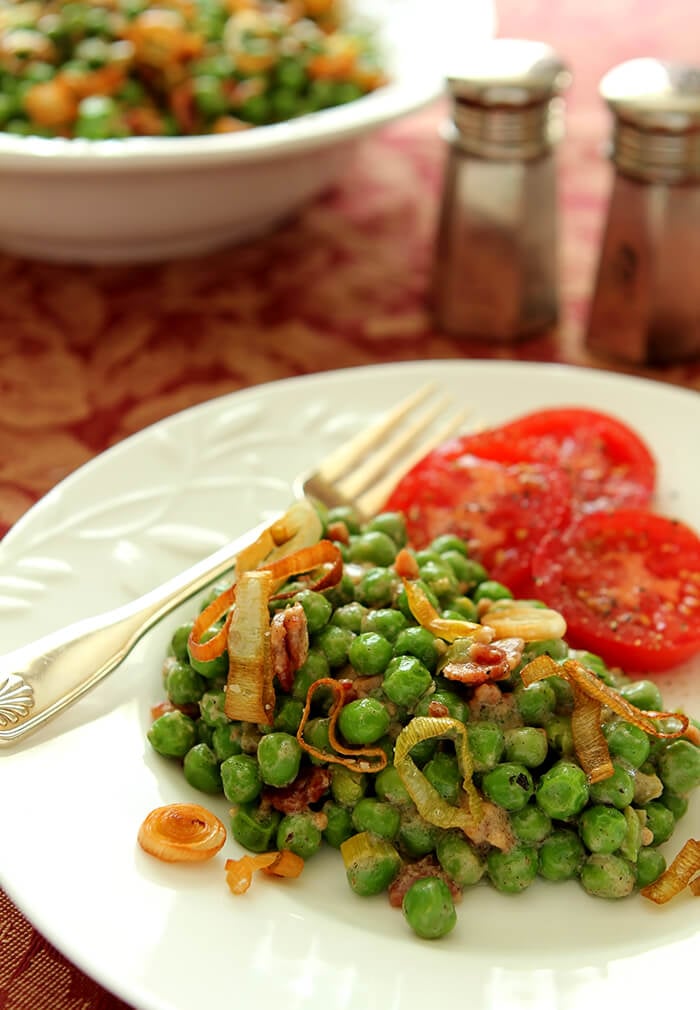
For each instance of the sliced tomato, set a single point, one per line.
(628, 585)
(608, 464)
(501, 510)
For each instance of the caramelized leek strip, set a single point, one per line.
(677, 876)
(348, 757)
(299, 527)
(446, 629)
(430, 804)
(589, 743)
(250, 696)
(182, 833)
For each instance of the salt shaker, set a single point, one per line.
(646, 304)
(495, 269)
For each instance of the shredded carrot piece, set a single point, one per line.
(353, 758)
(677, 876)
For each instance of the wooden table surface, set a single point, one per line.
(91, 355)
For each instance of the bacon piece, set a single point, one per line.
(486, 662)
(289, 643)
(437, 710)
(339, 532)
(411, 872)
(163, 707)
(406, 565)
(307, 788)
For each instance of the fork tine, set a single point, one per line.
(376, 464)
(338, 462)
(373, 500)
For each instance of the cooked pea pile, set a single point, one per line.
(120, 68)
(607, 836)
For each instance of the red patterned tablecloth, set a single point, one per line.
(88, 356)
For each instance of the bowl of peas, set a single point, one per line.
(133, 131)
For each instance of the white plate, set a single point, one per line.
(74, 795)
(146, 198)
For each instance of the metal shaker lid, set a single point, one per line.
(512, 73)
(656, 105)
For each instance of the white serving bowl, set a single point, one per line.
(147, 198)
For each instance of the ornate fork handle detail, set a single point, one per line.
(39, 680)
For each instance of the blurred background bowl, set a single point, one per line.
(147, 198)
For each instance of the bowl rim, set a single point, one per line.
(303, 133)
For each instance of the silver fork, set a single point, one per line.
(39, 680)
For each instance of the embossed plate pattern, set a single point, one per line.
(173, 938)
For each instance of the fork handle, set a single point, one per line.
(39, 680)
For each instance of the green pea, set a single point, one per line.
(372, 871)
(334, 642)
(351, 616)
(374, 547)
(428, 908)
(491, 590)
(291, 73)
(205, 734)
(380, 818)
(561, 856)
(442, 771)
(536, 703)
(644, 694)
(316, 607)
(288, 715)
(240, 777)
(650, 864)
(279, 757)
(512, 871)
(406, 680)
(341, 594)
(184, 685)
(627, 742)
(449, 542)
(172, 734)
(339, 825)
(211, 708)
(363, 721)
(456, 708)
(602, 828)
(440, 577)
(563, 791)
(617, 790)
(210, 668)
(256, 110)
(178, 643)
(486, 743)
(509, 785)
(660, 821)
(299, 834)
(201, 769)
(317, 734)
(461, 568)
(347, 787)
(530, 824)
(384, 621)
(416, 838)
(678, 805)
(418, 642)
(369, 653)
(560, 736)
(226, 740)
(255, 828)
(564, 695)
(388, 785)
(315, 667)
(679, 766)
(526, 745)
(344, 514)
(459, 859)
(605, 875)
(465, 608)
(376, 587)
(391, 523)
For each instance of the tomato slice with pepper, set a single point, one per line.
(501, 510)
(609, 465)
(628, 586)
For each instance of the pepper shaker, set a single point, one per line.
(495, 269)
(646, 305)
